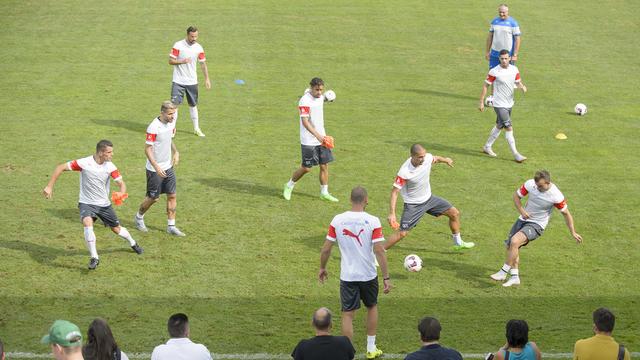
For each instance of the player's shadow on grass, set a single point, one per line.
(439, 93)
(445, 150)
(122, 124)
(245, 187)
(71, 214)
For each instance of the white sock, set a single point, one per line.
(138, 216)
(324, 189)
(291, 184)
(171, 222)
(514, 273)
(90, 239)
(495, 132)
(505, 269)
(511, 141)
(193, 110)
(371, 343)
(457, 239)
(124, 233)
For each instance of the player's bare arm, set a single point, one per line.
(518, 203)
(487, 53)
(176, 155)
(381, 256)
(521, 86)
(148, 150)
(516, 48)
(324, 258)
(568, 219)
(121, 184)
(482, 95)
(173, 61)
(205, 71)
(307, 125)
(48, 190)
(393, 199)
(440, 159)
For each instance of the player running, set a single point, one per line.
(316, 145)
(502, 77)
(413, 183)
(94, 203)
(534, 217)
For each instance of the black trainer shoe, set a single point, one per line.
(93, 263)
(137, 249)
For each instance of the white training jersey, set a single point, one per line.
(313, 108)
(540, 204)
(356, 232)
(160, 136)
(94, 180)
(413, 182)
(503, 80)
(186, 74)
(180, 349)
(504, 33)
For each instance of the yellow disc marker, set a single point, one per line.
(561, 136)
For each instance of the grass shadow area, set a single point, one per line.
(136, 127)
(245, 187)
(439, 93)
(445, 150)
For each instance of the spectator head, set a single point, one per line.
(517, 333)
(64, 338)
(178, 326)
(429, 328)
(322, 319)
(100, 342)
(604, 320)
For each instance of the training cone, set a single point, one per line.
(561, 136)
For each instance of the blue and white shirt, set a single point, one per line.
(504, 33)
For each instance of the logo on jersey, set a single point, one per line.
(346, 232)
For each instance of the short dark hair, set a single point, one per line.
(542, 174)
(415, 148)
(604, 320)
(517, 333)
(429, 328)
(358, 195)
(178, 325)
(505, 51)
(103, 144)
(321, 322)
(315, 82)
(191, 29)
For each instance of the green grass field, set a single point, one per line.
(407, 71)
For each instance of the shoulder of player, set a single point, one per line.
(555, 191)
(513, 21)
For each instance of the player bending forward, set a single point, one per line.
(94, 203)
(534, 217)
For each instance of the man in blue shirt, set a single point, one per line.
(429, 329)
(504, 34)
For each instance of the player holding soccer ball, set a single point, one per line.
(534, 217)
(359, 236)
(412, 182)
(316, 144)
(95, 171)
(502, 77)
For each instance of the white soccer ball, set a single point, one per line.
(580, 109)
(489, 101)
(329, 95)
(413, 263)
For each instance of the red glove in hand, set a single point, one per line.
(118, 197)
(328, 142)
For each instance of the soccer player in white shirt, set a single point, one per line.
(312, 140)
(184, 55)
(162, 157)
(94, 203)
(502, 77)
(413, 183)
(533, 219)
(359, 237)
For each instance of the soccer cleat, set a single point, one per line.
(487, 150)
(140, 224)
(514, 280)
(175, 231)
(464, 246)
(137, 249)
(93, 263)
(198, 132)
(286, 193)
(374, 354)
(520, 159)
(328, 197)
(499, 276)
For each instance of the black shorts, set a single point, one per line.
(351, 292)
(530, 229)
(314, 155)
(412, 213)
(105, 213)
(157, 185)
(178, 91)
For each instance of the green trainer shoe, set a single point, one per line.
(464, 246)
(374, 354)
(286, 193)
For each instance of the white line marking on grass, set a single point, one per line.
(265, 356)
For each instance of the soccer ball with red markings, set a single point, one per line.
(580, 109)
(413, 263)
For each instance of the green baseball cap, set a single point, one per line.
(63, 333)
